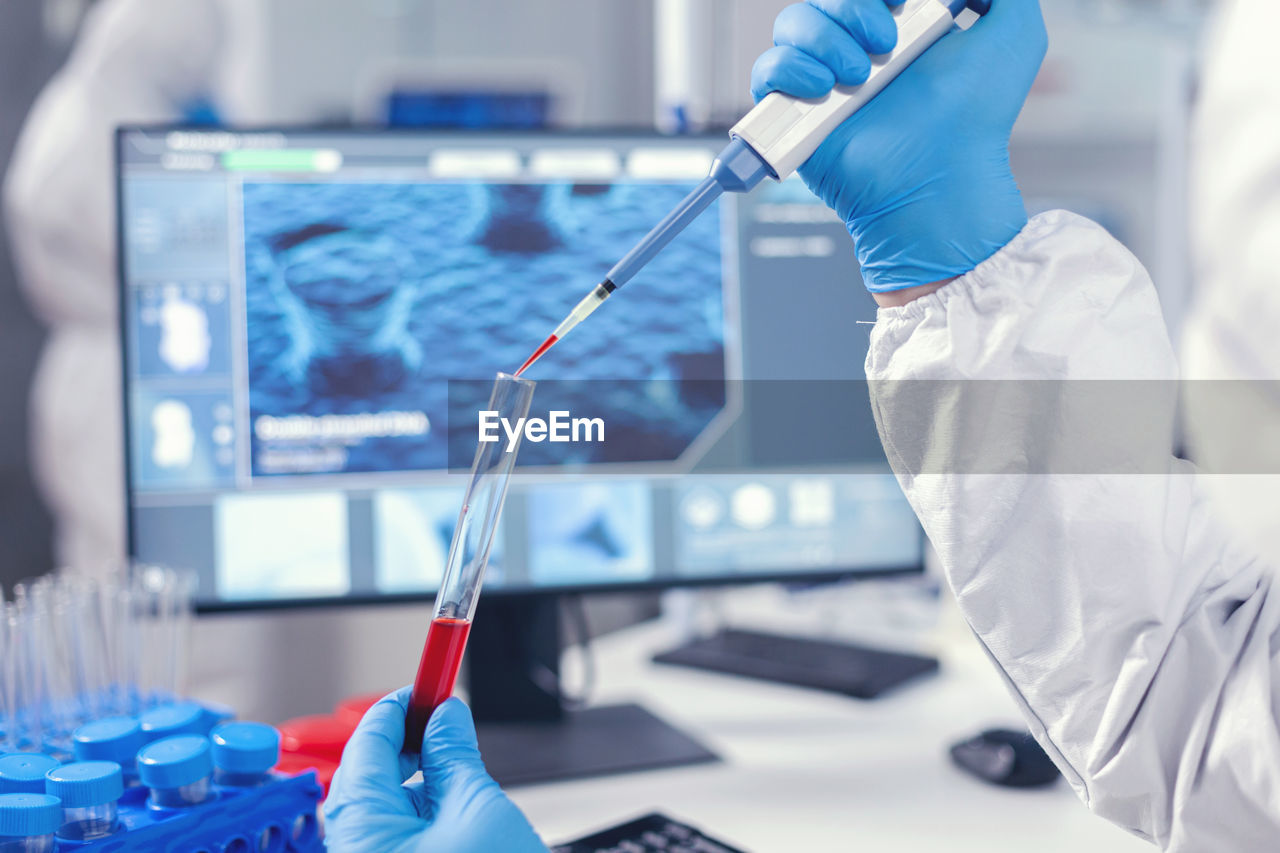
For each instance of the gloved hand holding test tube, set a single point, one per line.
(468, 556)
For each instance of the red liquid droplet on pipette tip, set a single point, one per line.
(437, 672)
(537, 354)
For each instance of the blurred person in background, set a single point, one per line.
(135, 61)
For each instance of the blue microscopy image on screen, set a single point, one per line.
(364, 299)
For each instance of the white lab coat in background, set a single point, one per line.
(135, 61)
(1233, 331)
(1134, 616)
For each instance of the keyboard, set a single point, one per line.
(653, 833)
(838, 667)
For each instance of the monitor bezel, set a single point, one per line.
(204, 606)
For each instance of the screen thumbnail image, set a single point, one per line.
(174, 225)
(183, 328)
(363, 299)
(414, 528)
(590, 532)
(732, 524)
(182, 440)
(282, 545)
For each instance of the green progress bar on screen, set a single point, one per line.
(283, 160)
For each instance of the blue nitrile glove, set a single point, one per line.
(921, 174)
(456, 807)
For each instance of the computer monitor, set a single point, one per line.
(299, 306)
(296, 303)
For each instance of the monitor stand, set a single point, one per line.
(526, 734)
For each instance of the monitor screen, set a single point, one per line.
(302, 308)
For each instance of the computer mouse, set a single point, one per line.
(1005, 757)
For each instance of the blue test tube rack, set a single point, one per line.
(280, 815)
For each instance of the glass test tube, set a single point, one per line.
(8, 681)
(161, 600)
(468, 556)
(27, 644)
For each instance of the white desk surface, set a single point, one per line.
(805, 771)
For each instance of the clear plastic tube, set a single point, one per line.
(30, 663)
(8, 681)
(46, 602)
(88, 823)
(161, 613)
(88, 643)
(182, 796)
(468, 556)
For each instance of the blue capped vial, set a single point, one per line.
(178, 718)
(23, 772)
(89, 791)
(28, 822)
(178, 771)
(115, 739)
(244, 753)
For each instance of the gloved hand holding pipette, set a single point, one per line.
(855, 49)
(921, 174)
(455, 807)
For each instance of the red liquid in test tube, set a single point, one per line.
(464, 569)
(437, 672)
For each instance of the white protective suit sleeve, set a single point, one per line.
(1138, 640)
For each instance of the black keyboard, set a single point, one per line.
(653, 833)
(838, 667)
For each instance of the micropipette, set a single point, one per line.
(772, 141)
